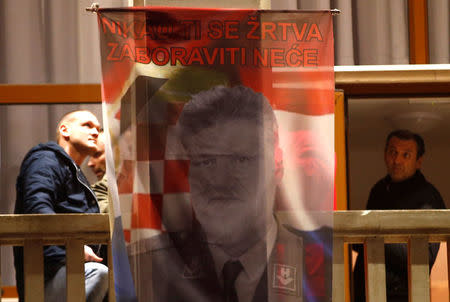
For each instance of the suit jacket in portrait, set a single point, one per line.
(178, 267)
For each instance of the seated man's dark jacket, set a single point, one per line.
(50, 182)
(413, 193)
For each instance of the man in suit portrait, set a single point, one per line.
(236, 249)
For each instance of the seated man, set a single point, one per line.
(50, 181)
(404, 187)
(97, 162)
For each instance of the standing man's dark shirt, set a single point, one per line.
(413, 193)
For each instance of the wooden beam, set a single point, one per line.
(9, 292)
(388, 80)
(252, 4)
(50, 93)
(418, 32)
(354, 80)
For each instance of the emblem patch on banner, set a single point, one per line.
(285, 277)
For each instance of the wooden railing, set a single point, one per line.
(375, 228)
(372, 228)
(72, 230)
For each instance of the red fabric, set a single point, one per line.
(315, 269)
(127, 46)
(176, 178)
(146, 211)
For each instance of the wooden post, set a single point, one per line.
(418, 32)
(1, 289)
(341, 186)
(75, 271)
(418, 270)
(340, 149)
(33, 270)
(111, 290)
(448, 266)
(338, 270)
(375, 269)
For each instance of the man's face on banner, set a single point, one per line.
(232, 183)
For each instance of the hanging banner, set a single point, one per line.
(221, 169)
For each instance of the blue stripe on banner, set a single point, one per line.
(123, 281)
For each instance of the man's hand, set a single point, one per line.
(90, 256)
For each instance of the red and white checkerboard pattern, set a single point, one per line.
(153, 187)
(153, 177)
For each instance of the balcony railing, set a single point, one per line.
(371, 228)
(375, 228)
(72, 230)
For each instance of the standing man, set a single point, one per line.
(404, 187)
(50, 181)
(97, 162)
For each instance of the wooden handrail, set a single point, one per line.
(53, 228)
(375, 228)
(372, 228)
(33, 231)
(393, 225)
